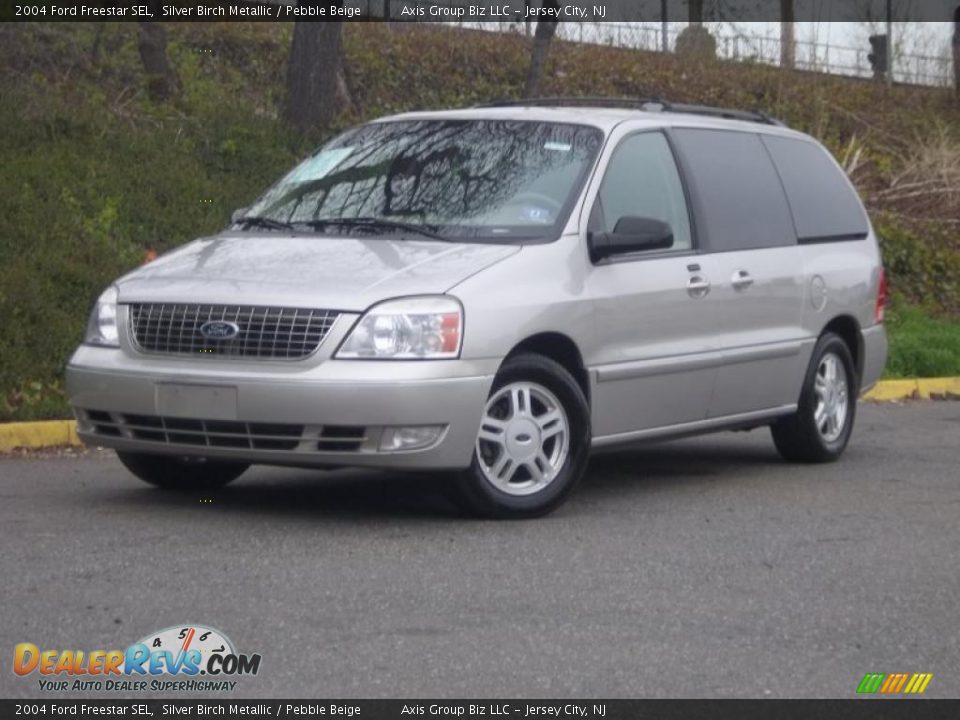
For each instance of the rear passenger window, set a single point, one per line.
(738, 199)
(642, 181)
(825, 207)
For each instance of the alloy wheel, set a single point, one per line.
(832, 397)
(524, 438)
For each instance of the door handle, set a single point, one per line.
(741, 280)
(698, 286)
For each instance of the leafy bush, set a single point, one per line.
(922, 263)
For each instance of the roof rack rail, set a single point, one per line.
(587, 101)
(650, 104)
(747, 115)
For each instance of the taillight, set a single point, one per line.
(881, 297)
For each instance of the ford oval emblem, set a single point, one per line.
(219, 330)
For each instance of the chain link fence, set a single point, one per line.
(733, 43)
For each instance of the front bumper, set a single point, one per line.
(328, 413)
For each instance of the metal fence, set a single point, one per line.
(735, 44)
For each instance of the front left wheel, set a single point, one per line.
(533, 444)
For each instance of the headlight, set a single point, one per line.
(102, 326)
(423, 328)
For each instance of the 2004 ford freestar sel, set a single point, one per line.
(494, 293)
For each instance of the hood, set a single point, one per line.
(333, 273)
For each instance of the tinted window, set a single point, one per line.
(738, 199)
(823, 203)
(642, 181)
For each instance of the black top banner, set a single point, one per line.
(489, 710)
(469, 10)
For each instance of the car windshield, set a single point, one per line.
(469, 179)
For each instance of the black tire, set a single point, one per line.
(477, 495)
(797, 436)
(173, 473)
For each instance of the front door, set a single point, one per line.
(654, 361)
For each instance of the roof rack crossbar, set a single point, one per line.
(654, 104)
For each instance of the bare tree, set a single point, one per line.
(313, 74)
(152, 43)
(695, 39)
(788, 41)
(695, 12)
(542, 38)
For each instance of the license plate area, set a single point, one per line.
(206, 402)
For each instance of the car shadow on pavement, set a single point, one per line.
(713, 456)
(306, 493)
(616, 476)
(679, 464)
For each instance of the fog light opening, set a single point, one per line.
(409, 438)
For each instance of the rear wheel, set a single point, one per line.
(174, 473)
(820, 429)
(533, 444)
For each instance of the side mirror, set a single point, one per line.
(631, 235)
(237, 214)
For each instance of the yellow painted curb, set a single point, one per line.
(64, 432)
(893, 390)
(921, 389)
(38, 434)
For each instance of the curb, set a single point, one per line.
(51, 433)
(38, 434)
(917, 389)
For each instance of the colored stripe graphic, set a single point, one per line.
(920, 683)
(871, 682)
(894, 683)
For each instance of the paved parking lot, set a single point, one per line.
(702, 568)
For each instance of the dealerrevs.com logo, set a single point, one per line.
(179, 658)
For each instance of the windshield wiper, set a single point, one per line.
(373, 222)
(263, 222)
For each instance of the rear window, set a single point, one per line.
(737, 196)
(825, 206)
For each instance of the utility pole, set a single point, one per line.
(889, 43)
(788, 41)
(664, 27)
(956, 50)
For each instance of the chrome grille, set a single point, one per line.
(264, 332)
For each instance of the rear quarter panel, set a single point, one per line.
(842, 280)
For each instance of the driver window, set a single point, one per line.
(642, 180)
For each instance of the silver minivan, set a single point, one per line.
(496, 292)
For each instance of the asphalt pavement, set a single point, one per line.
(699, 568)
